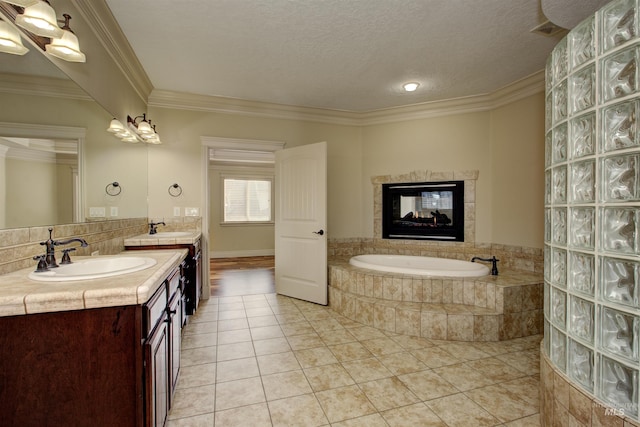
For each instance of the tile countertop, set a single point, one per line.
(20, 295)
(154, 240)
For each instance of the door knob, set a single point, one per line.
(320, 233)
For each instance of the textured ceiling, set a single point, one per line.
(337, 54)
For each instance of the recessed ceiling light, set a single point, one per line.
(410, 87)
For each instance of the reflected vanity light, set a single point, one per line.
(135, 132)
(40, 19)
(22, 3)
(10, 41)
(67, 46)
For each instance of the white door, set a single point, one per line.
(301, 217)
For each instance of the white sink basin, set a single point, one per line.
(169, 234)
(94, 268)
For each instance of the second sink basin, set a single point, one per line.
(94, 268)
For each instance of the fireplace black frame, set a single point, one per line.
(418, 227)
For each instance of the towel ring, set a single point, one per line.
(113, 188)
(175, 190)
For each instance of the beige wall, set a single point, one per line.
(32, 193)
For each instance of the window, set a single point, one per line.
(247, 200)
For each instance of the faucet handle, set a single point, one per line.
(42, 263)
(66, 259)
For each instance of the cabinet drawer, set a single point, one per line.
(154, 309)
(174, 282)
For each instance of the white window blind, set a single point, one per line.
(247, 200)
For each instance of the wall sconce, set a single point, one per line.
(40, 19)
(66, 47)
(10, 41)
(135, 131)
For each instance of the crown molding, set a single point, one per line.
(105, 27)
(28, 130)
(21, 84)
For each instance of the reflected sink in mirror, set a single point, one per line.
(94, 268)
(170, 234)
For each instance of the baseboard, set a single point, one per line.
(241, 254)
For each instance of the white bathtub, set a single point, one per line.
(420, 265)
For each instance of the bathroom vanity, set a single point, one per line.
(98, 352)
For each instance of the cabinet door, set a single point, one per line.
(175, 336)
(157, 375)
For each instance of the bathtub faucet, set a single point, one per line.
(493, 261)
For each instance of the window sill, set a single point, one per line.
(245, 224)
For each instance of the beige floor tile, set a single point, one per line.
(297, 328)
(301, 342)
(464, 351)
(270, 346)
(258, 311)
(238, 350)
(530, 421)
(409, 342)
(234, 394)
(495, 369)
(199, 340)
(255, 322)
(278, 362)
(366, 333)
(388, 393)
(232, 324)
(204, 316)
(373, 420)
(231, 306)
(285, 384)
(350, 351)
(427, 385)
(336, 336)
(501, 403)
(364, 370)
(197, 375)
(402, 363)
(525, 388)
(266, 332)
(230, 337)
(198, 356)
(327, 377)
(291, 317)
(205, 420)
(344, 403)
(201, 328)
(459, 411)
(382, 346)
(255, 303)
(326, 325)
(253, 415)
(315, 357)
(231, 314)
(463, 377)
(303, 411)
(193, 401)
(435, 357)
(527, 361)
(413, 415)
(236, 369)
(229, 300)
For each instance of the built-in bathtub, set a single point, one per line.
(419, 265)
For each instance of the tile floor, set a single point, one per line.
(268, 360)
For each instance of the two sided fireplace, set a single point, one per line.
(423, 210)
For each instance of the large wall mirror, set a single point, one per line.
(57, 162)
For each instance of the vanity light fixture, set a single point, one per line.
(66, 47)
(40, 19)
(22, 3)
(10, 41)
(144, 129)
(411, 86)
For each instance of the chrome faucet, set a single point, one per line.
(152, 226)
(50, 256)
(493, 261)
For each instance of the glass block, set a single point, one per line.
(583, 224)
(546, 340)
(583, 182)
(618, 23)
(547, 225)
(558, 308)
(618, 385)
(559, 143)
(547, 263)
(560, 103)
(545, 306)
(581, 273)
(619, 281)
(547, 112)
(580, 366)
(619, 74)
(583, 131)
(581, 45)
(548, 74)
(559, 226)
(558, 349)
(619, 229)
(581, 318)
(620, 126)
(582, 93)
(559, 61)
(619, 333)
(559, 185)
(620, 178)
(559, 267)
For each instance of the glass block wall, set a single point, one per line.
(592, 206)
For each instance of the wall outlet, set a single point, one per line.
(97, 212)
(114, 211)
(191, 211)
(176, 211)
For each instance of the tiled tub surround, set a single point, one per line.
(592, 209)
(489, 308)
